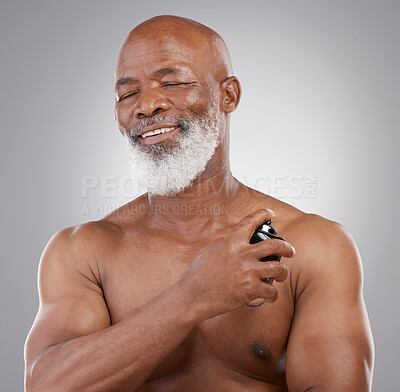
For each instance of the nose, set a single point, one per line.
(150, 102)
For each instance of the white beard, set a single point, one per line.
(166, 171)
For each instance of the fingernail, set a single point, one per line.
(270, 211)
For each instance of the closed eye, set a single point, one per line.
(128, 95)
(174, 84)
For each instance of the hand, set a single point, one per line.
(229, 273)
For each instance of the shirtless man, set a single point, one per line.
(153, 297)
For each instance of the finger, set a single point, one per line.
(271, 269)
(249, 223)
(271, 247)
(270, 293)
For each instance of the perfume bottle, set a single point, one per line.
(263, 232)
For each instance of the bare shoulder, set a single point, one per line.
(316, 235)
(82, 237)
(312, 235)
(320, 241)
(325, 250)
(83, 247)
(327, 258)
(99, 235)
(79, 245)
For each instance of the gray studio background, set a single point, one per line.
(318, 126)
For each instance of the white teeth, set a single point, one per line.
(157, 131)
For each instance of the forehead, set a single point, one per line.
(149, 55)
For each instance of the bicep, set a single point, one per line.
(71, 302)
(330, 344)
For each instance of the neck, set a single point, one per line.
(212, 202)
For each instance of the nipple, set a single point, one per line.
(260, 351)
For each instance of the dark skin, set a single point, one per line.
(152, 297)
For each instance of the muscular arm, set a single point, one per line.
(330, 346)
(72, 347)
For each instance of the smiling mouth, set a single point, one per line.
(158, 132)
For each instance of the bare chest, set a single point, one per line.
(250, 341)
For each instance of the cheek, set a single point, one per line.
(124, 115)
(195, 103)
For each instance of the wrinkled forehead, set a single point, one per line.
(143, 50)
(149, 50)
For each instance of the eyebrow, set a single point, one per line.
(125, 80)
(162, 71)
(168, 70)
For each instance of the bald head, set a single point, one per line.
(173, 33)
(173, 66)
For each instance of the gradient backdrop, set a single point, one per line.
(318, 127)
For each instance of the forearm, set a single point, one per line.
(121, 357)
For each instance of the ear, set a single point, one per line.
(231, 92)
